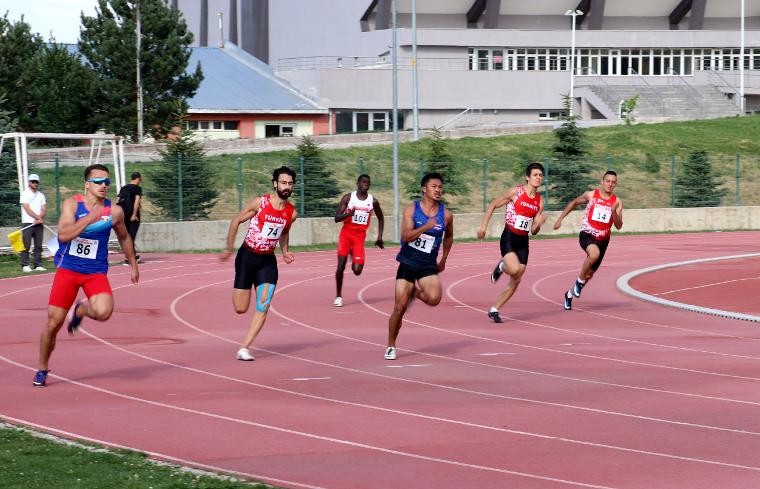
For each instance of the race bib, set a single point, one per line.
(272, 230)
(601, 213)
(360, 217)
(424, 243)
(84, 248)
(523, 223)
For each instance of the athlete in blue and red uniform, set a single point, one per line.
(82, 261)
(425, 225)
(355, 210)
(255, 264)
(603, 209)
(524, 216)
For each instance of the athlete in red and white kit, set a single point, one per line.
(255, 264)
(355, 210)
(524, 216)
(603, 209)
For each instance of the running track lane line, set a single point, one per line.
(622, 284)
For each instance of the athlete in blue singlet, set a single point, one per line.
(82, 260)
(425, 225)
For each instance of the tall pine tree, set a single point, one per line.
(568, 172)
(10, 213)
(320, 188)
(18, 47)
(108, 44)
(696, 185)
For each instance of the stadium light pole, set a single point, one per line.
(741, 62)
(573, 14)
(394, 69)
(138, 80)
(415, 85)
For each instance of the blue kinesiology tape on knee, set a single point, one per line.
(262, 303)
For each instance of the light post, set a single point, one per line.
(138, 80)
(741, 62)
(573, 14)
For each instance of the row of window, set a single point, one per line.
(212, 125)
(346, 121)
(607, 62)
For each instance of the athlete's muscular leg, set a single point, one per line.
(592, 255)
(429, 290)
(515, 270)
(357, 268)
(403, 292)
(241, 300)
(98, 307)
(264, 293)
(56, 317)
(342, 260)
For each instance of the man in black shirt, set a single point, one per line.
(130, 200)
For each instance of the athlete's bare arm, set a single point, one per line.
(539, 220)
(68, 225)
(117, 216)
(250, 209)
(285, 241)
(408, 233)
(580, 200)
(617, 214)
(343, 210)
(380, 223)
(448, 238)
(496, 203)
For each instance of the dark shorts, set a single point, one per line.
(515, 243)
(413, 274)
(254, 269)
(586, 239)
(66, 285)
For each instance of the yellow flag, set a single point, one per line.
(17, 243)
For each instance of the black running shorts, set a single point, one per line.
(586, 239)
(254, 269)
(411, 274)
(515, 243)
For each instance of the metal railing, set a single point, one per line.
(608, 92)
(692, 94)
(718, 81)
(371, 62)
(653, 92)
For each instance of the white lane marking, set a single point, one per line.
(409, 365)
(310, 378)
(496, 354)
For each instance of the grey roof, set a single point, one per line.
(236, 82)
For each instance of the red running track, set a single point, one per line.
(615, 393)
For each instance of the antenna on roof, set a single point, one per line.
(221, 29)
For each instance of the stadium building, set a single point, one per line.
(498, 62)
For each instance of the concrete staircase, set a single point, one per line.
(673, 102)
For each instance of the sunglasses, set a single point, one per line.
(100, 181)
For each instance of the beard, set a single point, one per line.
(283, 194)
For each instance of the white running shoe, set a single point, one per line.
(390, 353)
(26, 269)
(338, 302)
(245, 355)
(40, 268)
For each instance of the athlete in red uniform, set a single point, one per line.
(603, 209)
(255, 264)
(355, 210)
(524, 216)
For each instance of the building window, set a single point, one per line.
(551, 115)
(211, 126)
(279, 130)
(346, 121)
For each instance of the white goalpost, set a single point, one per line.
(20, 140)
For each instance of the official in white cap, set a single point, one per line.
(33, 210)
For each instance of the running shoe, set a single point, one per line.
(75, 320)
(40, 378)
(495, 316)
(245, 355)
(40, 268)
(568, 301)
(390, 353)
(497, 271)
(577, 287)
(338, 302)
(26, 269)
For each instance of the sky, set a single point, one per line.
(61, 17)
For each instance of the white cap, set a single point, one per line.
(34, 177)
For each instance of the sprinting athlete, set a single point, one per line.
(425, 225)
(524, 216)
(255, 264)
(82, 262)
(355, 210)
(603, 209)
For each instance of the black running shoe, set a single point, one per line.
(495, 316)
(568, 301)
(75, 320)
(577, 287)
(496, 272)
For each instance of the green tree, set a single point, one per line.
(18, 47)
(320, 188)
(63, 94)
(569, 173)
(108, 44)
(697, 185)
(9, 207)
(185, 173)
(438, 159)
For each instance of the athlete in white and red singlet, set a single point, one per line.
(524, 216)
(355, 210)
(603, 209)
(255, 264)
